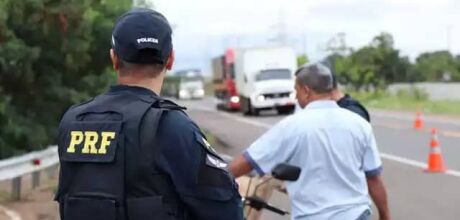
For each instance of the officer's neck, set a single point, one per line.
(337, 94)
(153, 84)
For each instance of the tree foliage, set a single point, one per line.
(302, 60)
(143, 3)
(435, 65)
(379, 63)
(53, 53)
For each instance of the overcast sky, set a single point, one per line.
(204, 28)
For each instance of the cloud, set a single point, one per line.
(206, 27)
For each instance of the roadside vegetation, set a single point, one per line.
(366, 72)
(53, 54)
(408, 100)
(378, 64)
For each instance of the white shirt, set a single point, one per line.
(335, 148)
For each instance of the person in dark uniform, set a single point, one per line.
(348, 102)
(130, 154)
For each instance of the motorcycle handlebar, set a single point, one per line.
(275, 210)
(255, 202)
(258, 204)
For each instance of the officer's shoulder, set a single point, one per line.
(355, 106)
(74, 108)
(348, 100)
(176, 119)
(177, 127)
(169, 105)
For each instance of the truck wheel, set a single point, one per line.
(255, 111)
(252, 110)
(220, 106)
(245, 106)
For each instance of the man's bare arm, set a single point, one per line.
(379, 195)
(240, 166)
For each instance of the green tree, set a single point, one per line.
(372, 66)
(302, 60)
(143, 3)
(53, 54)
(434, 66)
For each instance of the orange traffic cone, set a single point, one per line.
(418, 123)
(435, 161)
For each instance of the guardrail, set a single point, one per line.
(32, 163)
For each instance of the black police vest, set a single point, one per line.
(107, 170)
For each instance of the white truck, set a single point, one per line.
(265, 79)
(191, 88)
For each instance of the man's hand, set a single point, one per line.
(240, 166)
(378, 193)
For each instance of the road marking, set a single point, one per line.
(415, 163)
(400, 126)
(387, 156)
(395, 126)
(450, 133)
(234, 117)
(454, 121)
(10, 213)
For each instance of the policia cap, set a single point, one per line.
(142, 36)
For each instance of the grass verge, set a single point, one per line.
(407, 101)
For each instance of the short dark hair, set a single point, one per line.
(317, 77)
(153, 69)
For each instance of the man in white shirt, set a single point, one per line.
(335, 148)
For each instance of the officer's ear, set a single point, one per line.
(115, 60)
(170, 62)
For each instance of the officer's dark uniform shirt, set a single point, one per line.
(203, 187)
(354, 105)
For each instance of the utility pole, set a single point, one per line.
(304, 42)
(282, 35)
(449, 37)
(280, 29)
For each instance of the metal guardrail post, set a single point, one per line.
(35, 179)
(16, 188)
(51, 171)
(14, 168)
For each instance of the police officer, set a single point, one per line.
(348, 102)
(129, 154)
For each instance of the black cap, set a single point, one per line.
(142, 36)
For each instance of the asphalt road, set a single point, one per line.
(413, 193)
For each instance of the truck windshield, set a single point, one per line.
(273, 74)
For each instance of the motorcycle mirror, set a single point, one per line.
(284, 171)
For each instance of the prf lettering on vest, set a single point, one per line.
(89, 139)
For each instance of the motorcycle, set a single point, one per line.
(283, 172)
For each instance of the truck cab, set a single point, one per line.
(225, 91)
(265, 79)
(191, 87)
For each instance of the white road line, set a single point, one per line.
(403, 160)
(10, 213)
(407, 117)
(386, 156)
(233, 117)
